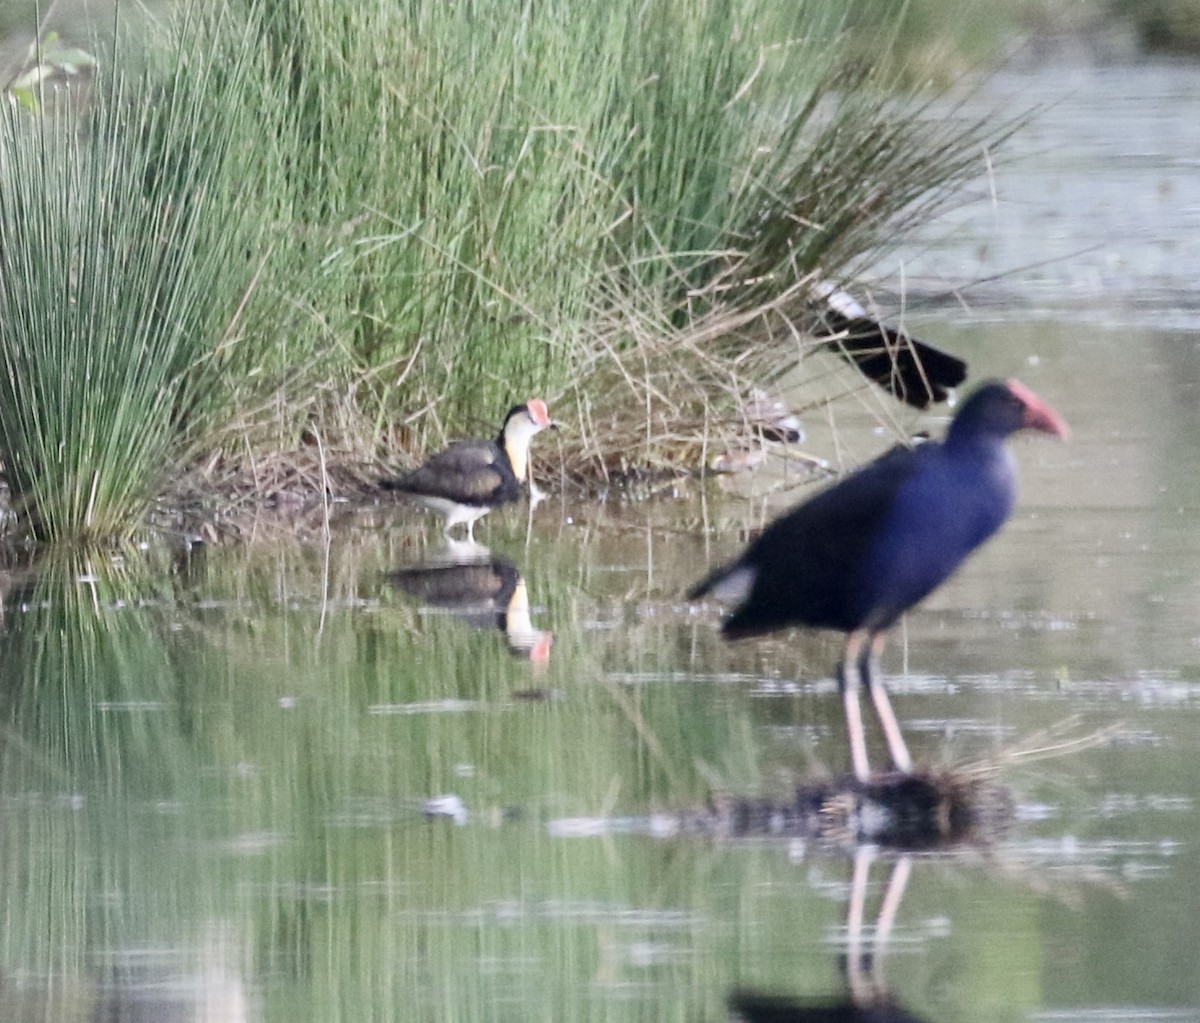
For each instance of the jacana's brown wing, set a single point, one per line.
(468, 472)
(486, 585)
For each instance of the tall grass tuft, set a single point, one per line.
(122, 258)
(436, 164)
(479, 192)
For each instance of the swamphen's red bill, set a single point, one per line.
(1038, 415)
(862, 552)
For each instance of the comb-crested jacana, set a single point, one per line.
(482, 589)
(471, 477)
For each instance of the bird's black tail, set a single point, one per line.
(913, 370)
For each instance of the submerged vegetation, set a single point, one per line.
(294, 234)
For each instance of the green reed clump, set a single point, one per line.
(122, 258)
(445, 212)
(359, 229)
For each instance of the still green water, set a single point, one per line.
(214, 769)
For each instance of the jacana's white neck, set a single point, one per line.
(522, 636)
(518, 455)
(517, 435)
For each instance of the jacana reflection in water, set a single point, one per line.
(867, 998)
(480, 588)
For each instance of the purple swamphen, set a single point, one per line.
(861, 553)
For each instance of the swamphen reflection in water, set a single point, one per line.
(861, 553)
(867, 999)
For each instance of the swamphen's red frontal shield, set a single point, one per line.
(861, 553)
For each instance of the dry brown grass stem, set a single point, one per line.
(1060, 739)
(653, 396)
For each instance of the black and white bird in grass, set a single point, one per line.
(916, 372)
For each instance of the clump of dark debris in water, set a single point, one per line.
(926, 810)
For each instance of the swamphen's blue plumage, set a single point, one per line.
(860, 554)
